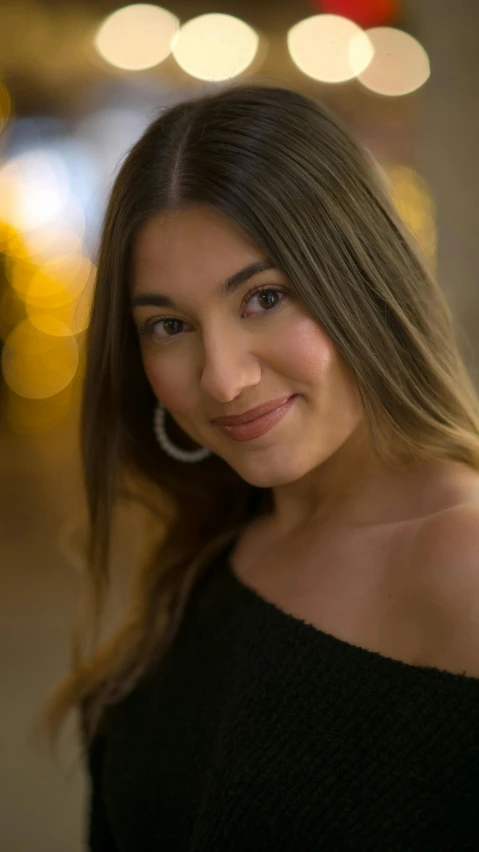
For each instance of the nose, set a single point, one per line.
(229, 367)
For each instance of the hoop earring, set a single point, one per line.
(167, 445)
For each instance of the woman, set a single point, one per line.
(300, 666)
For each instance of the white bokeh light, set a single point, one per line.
(215, 47)
(34, 190)
(329, 48)
(137, 37)
(400, 64)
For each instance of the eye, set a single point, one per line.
(263, 291)
(151, 326)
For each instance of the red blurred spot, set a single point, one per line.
(366, 13)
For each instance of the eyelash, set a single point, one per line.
(148, 329)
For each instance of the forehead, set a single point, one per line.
(190, 245)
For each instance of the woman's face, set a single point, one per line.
(214, 354)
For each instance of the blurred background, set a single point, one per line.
(79, 81)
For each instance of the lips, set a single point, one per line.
(252, 414)
(260, 425)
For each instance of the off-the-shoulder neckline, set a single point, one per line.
(312, 631)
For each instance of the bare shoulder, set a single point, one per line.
(446, 563)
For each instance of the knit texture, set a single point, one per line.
(260, 732)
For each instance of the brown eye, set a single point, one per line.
(269, 297)
(171, 326)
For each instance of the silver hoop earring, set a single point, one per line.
(167, 445)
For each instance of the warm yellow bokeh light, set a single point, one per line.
(5, 105)
(13, 244)
(9, 186)
(329, 48)
(399, 66)
(412, 199)
(215, 47)
(74, 316)
(36, 416)
(19, 271)
(12, 311)
(38, 365)
(7, 234)
(137, 37)
(57, 282)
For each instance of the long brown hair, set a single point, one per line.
(289, 174)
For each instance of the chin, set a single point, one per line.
(268, 476)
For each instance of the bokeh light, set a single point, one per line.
(49, 241)
(55, 283)
(12, 311)
(74, 315)
(38, 365)
(36, 416)
(5, 105)
(329, 48)
(34, 189)
(366, 13)
(413, 200)
(137, 37)
(399, 66)
(215, 47)
(18, 268)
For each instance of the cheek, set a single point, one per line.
(167, 385)
(313, 359)
(306, 352)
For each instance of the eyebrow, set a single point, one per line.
(226, 288)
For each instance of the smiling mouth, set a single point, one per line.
(252, 414)
(259, 425)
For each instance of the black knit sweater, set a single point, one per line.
(260, 732)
